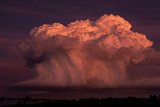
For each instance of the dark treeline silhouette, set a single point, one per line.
(152, 101)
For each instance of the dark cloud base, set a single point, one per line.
(74, 92)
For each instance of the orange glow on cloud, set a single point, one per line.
(85, 53)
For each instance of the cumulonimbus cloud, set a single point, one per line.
(85, 53)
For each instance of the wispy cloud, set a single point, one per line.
(15, 9)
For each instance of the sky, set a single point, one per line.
(19, 17)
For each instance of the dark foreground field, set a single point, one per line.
(152, 101)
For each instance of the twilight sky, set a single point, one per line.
(18, 17)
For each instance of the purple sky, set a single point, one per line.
(18, 17)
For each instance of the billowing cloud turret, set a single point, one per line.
(84, 53)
